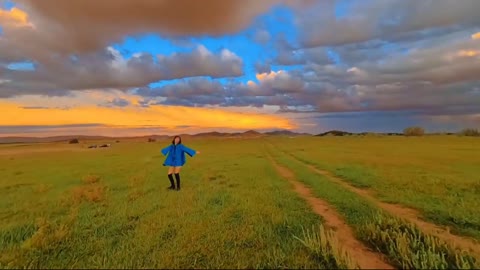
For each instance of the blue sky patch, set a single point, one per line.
(24, 66)
(6, 4)
(278, 23)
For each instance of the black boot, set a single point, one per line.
(172, 184)
(177, 176)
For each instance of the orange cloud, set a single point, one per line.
(76, 99)
(167, 117)
(251, 83)
(476, 36)
(468, 53)
(268, 76)
(15, 16)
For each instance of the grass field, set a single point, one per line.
(65, 206)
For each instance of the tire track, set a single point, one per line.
(365, 258)
(409, 214)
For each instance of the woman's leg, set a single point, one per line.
(171, 170)
(177, 176)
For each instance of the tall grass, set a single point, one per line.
(438, 175)
(409, 248)
(111, 209)
(324, 247)
(395, 238)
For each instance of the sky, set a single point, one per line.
(140, 67)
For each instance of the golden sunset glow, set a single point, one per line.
(14, 16)
(476, 36)
(468, 53)
(164, 116)
(268, 76)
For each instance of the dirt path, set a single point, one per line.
(409, 214)
(365, 258)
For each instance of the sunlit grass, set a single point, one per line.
(324, 246)
(409, 248)
(111, 209)
(438, 175)
(403, 244)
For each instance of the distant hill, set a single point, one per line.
(345, 133)
(335, 133)
(285, 133)
(79, 137)
(222, 134)
(49, 139)
(208, 134)
(394, 134)
(246, 134)
(214, 134)
(250, 134)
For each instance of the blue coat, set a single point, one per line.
(176, 154)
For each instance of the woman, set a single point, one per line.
(176, 159)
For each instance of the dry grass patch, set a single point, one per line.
(92, 190)
(48, 238)
(324, 247)
(91, 179)
(42, 188)
(89, 193)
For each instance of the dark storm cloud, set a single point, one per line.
(86, 27)
(108, 69)
(382, 19)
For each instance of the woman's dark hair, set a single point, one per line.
(173, 141)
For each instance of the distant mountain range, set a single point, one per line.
(345, 133)
(246, 134)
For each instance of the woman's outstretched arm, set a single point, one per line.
(166, 149)
(189, 151)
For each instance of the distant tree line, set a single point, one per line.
(419, 131)
(414, 131)
(409, 132)
(470, 132)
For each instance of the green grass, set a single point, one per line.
(65, 206)
(109, 208)
(409, 248)
(437, 175)
(402, 243)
